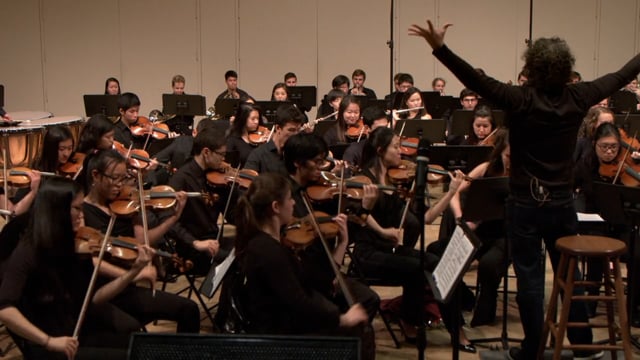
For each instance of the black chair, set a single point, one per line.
(193, 346)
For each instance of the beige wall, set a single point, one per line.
(53, 52)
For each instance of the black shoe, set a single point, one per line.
(470, 348)
(514, 353)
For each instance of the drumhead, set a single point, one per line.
(55, 120)
(29, 115)
(8, 131)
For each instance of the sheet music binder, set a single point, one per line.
(454, 262)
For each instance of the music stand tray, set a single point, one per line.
(270, 108)
(304, 96)
(226, 107)
(184, 105)
(463, 157)
(432, 129)
(101, 104)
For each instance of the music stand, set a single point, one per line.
(226, 107)
(101, 104)
(462, 120)
(323, 126)
(338, 150)
(304, 96)
(615, 203)
(183, 105)
(366, 102)
(432, 129)
(158, 145)
(485, 201)
(629, 122)
(1, 96)
(270, 108)
(623, 102)
(462, 157)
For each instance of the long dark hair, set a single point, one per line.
(242, 115)
(254, 207)
(50, 229)
(482, 111)
(374, 148)
(407, 94)
(92, 132)
(48, 159)
(341, 126)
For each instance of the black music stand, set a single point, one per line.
(617, 203)
(462, 120)
(323, 126)
(101, 104)
(453, 264)
(460, 157)
(338, 150)
(366, 102)
(623, 102)
(439, 106)
(629, 122)
(485, 201)
(1, 96)
(432, 129)
(226, 107)
(303, 96)
(270, 108)
(183, 105)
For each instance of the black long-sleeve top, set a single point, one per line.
(265, 158)
(242, 148)
(281, 300)
(48, 292)
(543, 126)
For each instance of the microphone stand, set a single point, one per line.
(420, 190)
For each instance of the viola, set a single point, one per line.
(357, 130)
(301, 233)
(88, 241)
(158, 198)
(142, 128)
(260, 136)
(73, 166)
(18, 176)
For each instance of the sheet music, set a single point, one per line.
(453, 261)
(216, 275)
(589, 217)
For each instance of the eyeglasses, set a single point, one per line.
(222, 154)
(608, 147)
(115, 179)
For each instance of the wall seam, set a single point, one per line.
(43, 56)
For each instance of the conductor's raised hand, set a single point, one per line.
(435, 37)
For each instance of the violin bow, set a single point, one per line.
(402, 129)
(226, 206)
(361, 132)
(341, 192)
(5, 174)
(143, 214)
(94, 277)
(624, 158)
(339, 277)
(405, 210)
(484, 141)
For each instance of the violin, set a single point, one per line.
(73, 166)
(405, 173)
(354, 184)
(138, 158)
(88, 241)
(409, 146)
(489, 140)
(225, 175)
(141, 128)
(300, 233)
(357, 130)
(158, 198)
(629, 143)
(260, 136)
(18, 176)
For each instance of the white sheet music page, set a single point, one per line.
(453, 261)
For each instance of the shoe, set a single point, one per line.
(514, 353)
(588, 355)
(469, 348)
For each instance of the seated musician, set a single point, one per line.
(491, 255)
(348, 116)
(385, 251)
(402, 82)
(373, 117)
(112, 86)
(277, 297)
(180, 124)
(412, 99)
(107, 172)
(247, 120)
(196, 230)
(129, 106)
(232, 91)
(358, 77)
(268, 157)
(44, 284)
(339, 83)
(482, 126)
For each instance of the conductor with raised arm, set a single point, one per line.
(541, 203)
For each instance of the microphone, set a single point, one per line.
(422, 167)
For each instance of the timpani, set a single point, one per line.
(74, 123)
(29, 115)
(20, 144)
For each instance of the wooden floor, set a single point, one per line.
(438, 339)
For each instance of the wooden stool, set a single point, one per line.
(571, 248)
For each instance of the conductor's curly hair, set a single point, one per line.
(549, 63)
